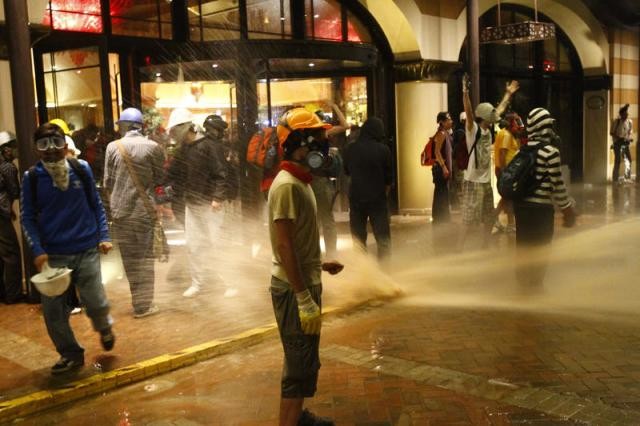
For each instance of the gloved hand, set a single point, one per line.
(309, 313)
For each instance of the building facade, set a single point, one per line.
(401, 60)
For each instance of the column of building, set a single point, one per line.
(625, 71)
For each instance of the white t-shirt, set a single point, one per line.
(482, 173)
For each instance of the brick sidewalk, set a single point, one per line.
(26, 353)
(403, 365)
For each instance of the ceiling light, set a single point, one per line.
(215, 66)
(311, 64)
(519, 32)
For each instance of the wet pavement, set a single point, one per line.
(464, 345)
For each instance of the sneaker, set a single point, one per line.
(63, 365)
(307, 418)
(191, 291)
(107, 339)
(152, 310)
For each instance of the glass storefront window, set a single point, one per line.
(73, 89)
(144, 18)
(356, 30)
(323, 20)
(350, 93)
(211, 20)
(74, 15)
(202, 98)
(267, 19)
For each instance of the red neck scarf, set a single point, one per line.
(296, 170)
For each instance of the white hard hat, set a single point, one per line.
(71, 146)
(487, 112)
(6, 137)
(52, 281)
(179, 116)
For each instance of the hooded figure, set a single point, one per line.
(368, 162)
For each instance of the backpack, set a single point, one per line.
(462, 155)
(262, 150)
(428, 155)
(77, 168)
(518, 179)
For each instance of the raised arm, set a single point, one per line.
(342, 125)
(466, 101)
(512, 87)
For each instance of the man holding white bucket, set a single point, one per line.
(65, 225)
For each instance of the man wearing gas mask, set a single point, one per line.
(296, 287)
(198, 174)
(507, 144)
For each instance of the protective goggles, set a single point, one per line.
(57, 142)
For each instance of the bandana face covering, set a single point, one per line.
(297, 171)
(59, 173)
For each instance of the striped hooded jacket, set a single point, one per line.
(552, 189)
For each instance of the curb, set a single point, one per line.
(140, 371)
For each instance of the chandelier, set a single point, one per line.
(519, 32)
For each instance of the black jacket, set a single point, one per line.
(199, 171)
(368, 162)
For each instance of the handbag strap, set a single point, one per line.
(136, 181)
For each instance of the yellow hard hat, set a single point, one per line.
(298, 118)
(62, 124)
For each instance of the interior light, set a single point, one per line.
(215, 66)
(92, 105)
(158, 74)
(311, 64)
(316, 16)
(282, 18)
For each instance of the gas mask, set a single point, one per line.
(318, 155)
(517, 127)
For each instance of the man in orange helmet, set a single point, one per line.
(296, 287)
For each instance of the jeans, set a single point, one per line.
(87, 279)
(621, 152)
(135, 240)
(11, 267)
(204, 232)
(376, 212)
(325, 193)
(440, 207)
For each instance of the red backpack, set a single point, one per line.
(263, 150)
(428, 155)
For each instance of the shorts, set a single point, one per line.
(301, 351)
(477, 203)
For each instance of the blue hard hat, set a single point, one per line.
(132, 115)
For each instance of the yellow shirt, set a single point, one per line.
(290, 198)
(505, 140)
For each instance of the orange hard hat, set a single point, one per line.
(298, 118)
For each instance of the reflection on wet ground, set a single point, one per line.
(449, 295)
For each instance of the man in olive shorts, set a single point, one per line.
(296, 288)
